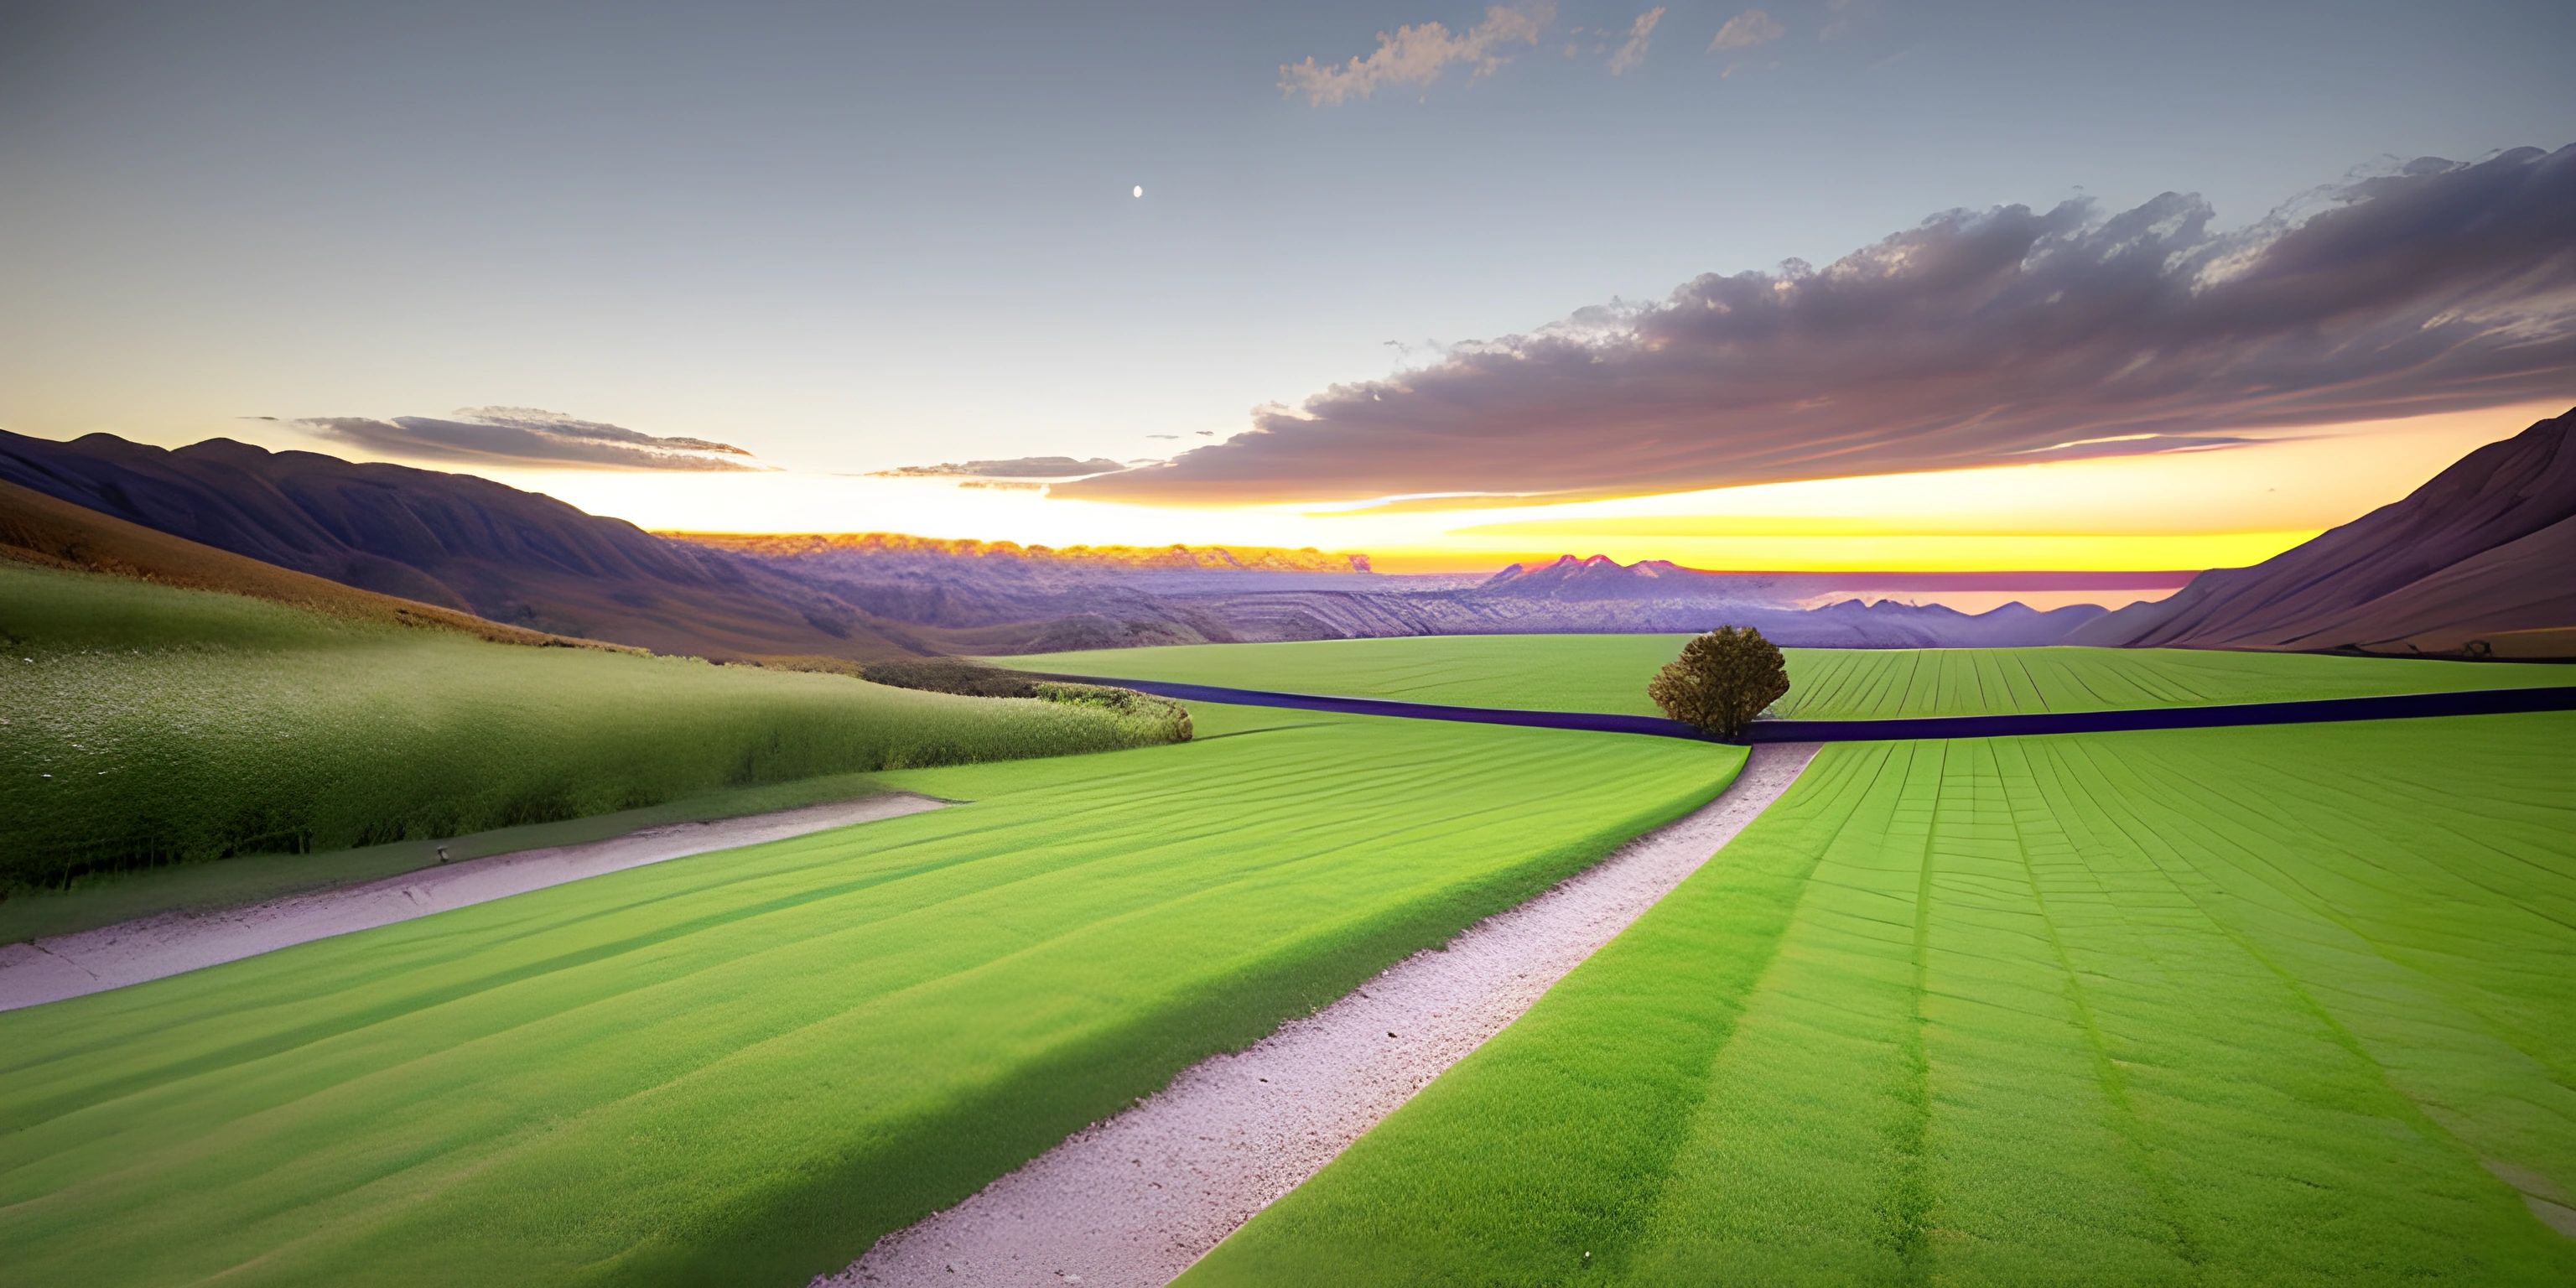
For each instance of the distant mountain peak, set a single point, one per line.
(1592, 570)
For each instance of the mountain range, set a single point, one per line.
(452, 541)
(895, 545)
(2473, 562)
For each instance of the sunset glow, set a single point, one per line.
(2183, 510)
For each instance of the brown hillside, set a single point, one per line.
(38, 529)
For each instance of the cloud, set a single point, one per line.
(524, 436)
(1417, 55)
(1977, 338)
(2134, 445)
(1747, 29)
(1633, 53)
(1025, 467)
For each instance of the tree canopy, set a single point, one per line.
(1722, 680)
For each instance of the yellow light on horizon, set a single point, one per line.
(2141, 513)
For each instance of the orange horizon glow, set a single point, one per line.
(2175, 512)
(2060, 553)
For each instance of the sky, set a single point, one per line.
(1842, 284)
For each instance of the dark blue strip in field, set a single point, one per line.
(2393, 706)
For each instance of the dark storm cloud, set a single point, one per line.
(1025, 467)
(525, 436)
(1980, 337)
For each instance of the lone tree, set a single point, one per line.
(1721, 681)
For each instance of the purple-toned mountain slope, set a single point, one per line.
(467, 543)
(454, 541)
(2481, 558)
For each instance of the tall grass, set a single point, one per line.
(149, 725)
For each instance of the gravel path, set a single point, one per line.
(1137, 1198)
(94, 961)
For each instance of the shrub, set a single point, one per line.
(951, 675)
(1168, 719)
(1722, 680)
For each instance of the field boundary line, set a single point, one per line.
(1136, 1199)
(2383, 706)
(173, 943)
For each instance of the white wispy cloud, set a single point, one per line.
(1419, 54)
(1633, 53)
(1747, 29)
(1021, 467)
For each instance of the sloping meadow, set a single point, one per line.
(2277, 1006)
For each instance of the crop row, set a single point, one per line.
(2276, 1006)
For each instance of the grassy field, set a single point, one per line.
(2245, 1006)
(105, 898)
(147, 724)
(745, 1067)
(1609, 673)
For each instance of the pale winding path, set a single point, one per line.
(1134, 1200)
(93, 961)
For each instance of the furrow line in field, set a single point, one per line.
(2404, 1102)
(2139, 1150)
(2399, 974)
(1908, 1201)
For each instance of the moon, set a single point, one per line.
(1140, 190)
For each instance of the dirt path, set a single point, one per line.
(131, 952)
(1134, 1200)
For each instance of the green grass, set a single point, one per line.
(745, 1067)
(147, 724)
(1608, 673)
(105, 898)
(2249, 1006)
